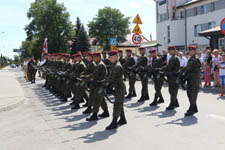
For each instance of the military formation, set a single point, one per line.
(90, 78)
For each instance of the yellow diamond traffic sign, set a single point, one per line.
(137, 30)
(137, 20)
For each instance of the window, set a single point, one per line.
(197, 29)
(211, 25)
(204, 9)
(213, 6)
(168, 34)
(195, 11)
(182, 14)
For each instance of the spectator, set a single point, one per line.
(207, 69)
(182, 59)
(204, 54)
(215, 63)
(222, 73)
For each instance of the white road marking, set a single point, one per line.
(217, 117)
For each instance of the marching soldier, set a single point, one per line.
(130, 62)
(116, 78)
(157, 77)
(192, 75)
(87, 73)
(121, 58)
(140, 67)
(99, 75)
(171, 72)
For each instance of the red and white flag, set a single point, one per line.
(45, 47)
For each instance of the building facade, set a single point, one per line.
(180, 21)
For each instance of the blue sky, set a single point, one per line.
(13, 17)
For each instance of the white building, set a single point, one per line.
(180, 21)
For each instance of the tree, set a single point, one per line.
(49, 19)
(109, 23)
(81, 39)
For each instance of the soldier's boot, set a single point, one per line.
(93, 117)
(141, 99)
(86, 104)
(105, 114)
(113, 124)
(88, 111)
(73, 103)
(129, 96)
(161, 99)
(170, 107)
(76, 106)
(191, 111)
(134, 94)
(122, 120)
(146, 97)
(64, 99)
(154, 103)
(176, 104)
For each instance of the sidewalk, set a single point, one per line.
(11, 92)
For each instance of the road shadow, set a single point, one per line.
(163, 114)
(185, 121)
(81, 126)
(132, 105)
(147, 109)
(98, 136)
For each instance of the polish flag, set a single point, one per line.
(45, 48)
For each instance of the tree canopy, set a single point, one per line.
(108, 23)
(48, 19)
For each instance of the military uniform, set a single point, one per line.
(171, 72)
(140, 68)
(32, 71)
(99, 75)
(116, 78)
(192, 74)
(157, 77)
(130, 62)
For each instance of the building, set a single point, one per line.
(179, 22)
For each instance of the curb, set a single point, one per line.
(12, 105)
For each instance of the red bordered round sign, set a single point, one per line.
(222, 26)
(136, 38)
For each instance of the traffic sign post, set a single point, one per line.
(136, 38)
(222, 26)
(113, 43)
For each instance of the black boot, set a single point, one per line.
(161, 100)
(146, 97)
(73, 103)
(86, 104)
(122, 120)
(113, 124)
(129, 96)
(192, 110)
(104, 114)
(76, 106)
(64, 99)
(176, 104)
(93, 117)
(141, 99)
(134, 94)
(154, 103)
(88, 111)
(170, 107)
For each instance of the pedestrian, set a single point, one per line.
(207, 69)
(215, 62)
(183, 60)
(222, 73)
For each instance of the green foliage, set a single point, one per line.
(81, 39)
(108, 23)
(48, 19)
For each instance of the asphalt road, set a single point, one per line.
(43, 123)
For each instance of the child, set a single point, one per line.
(222, 73)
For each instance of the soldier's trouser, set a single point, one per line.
(158, 86)
(118, 104)
(192, 92)
(79, 92)
(132, 81)
(173, 90)
(90, 99)
(67, 87)
(33, 74)
(99, 100)
(144, 83)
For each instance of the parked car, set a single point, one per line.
(13, 66)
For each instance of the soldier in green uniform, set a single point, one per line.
(116, 78)
(171, 70)
(87, 73)
(141, 68)
(130, 62)
(79, 86)
(31, 70)
(157, 77)
(97, 78)
(192, 74)
(121, 58)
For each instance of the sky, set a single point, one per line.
(13, 18)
